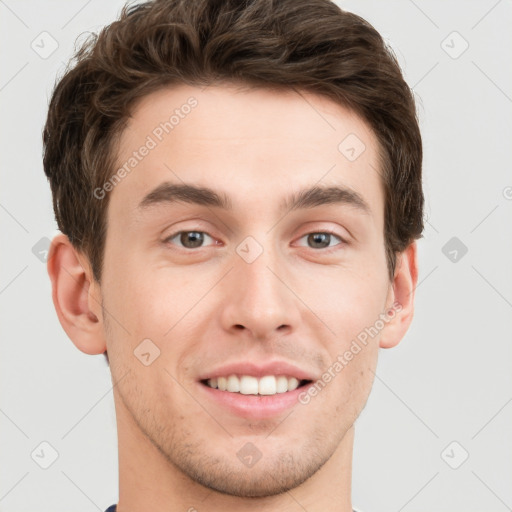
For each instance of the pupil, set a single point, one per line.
(320, 237)
(192, 239)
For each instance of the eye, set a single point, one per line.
(322, 239)
(196, 239)
(189, 239)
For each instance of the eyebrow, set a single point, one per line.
(168, 193)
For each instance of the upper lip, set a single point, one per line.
(258, 370)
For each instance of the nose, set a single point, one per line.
(260, 298)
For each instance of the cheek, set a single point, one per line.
(352, 308)
(348, 379)
(141, 301)
(154, 313)
(348, 302)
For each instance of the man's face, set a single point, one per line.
(244, 288)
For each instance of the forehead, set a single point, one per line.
(257, 146)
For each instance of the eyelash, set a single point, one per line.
(326, 232)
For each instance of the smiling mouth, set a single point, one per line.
(250, 385)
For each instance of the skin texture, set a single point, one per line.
(206, 306)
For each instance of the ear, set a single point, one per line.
(400, 300)
(76, 296)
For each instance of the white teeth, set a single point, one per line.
(267, 385)
(281, 384)
(293, 383)
(249, 385)
(222, 383)
(233, 384)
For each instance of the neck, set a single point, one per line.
(147, 481)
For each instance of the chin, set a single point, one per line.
(272, 480)
(274, 473)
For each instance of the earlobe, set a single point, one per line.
(75, 296)
(402, 303)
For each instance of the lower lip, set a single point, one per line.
(254, 406)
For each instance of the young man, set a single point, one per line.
(238, 186)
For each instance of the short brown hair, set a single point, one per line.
(309, 45)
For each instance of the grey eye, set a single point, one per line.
(190, 239)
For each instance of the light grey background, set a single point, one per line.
(449, 380)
